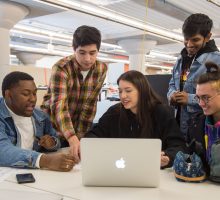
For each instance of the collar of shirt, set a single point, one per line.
(210, 122)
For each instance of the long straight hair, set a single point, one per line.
(147, 100)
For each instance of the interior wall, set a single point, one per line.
(114, 71)
(41, 78)
(42, 75)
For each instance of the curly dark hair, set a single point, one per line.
(13, 78)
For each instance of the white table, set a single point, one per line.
(11, 191)
(69, 185)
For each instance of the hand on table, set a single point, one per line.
(57, 162)
(164, 159)
(74, 147)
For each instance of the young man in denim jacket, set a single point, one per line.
(25, 131)
(189, 66)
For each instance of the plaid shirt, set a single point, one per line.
(71, 101)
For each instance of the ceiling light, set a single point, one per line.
(27, 30)
(40, 31)
(113, 60)
(117, 17)
(216, 2)
(48, 4)
(162, 55)
(66, 53)
(58, 53)
(158, 66)
(39, 50)
(150, 56)
(116, 50)
(23, 33)
(104, 2)
(111, 45)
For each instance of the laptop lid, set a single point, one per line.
(120, 162)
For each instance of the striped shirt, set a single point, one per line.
(71, 101)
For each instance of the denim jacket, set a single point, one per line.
(197, 68)
(11, 153)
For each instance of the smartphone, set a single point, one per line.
(25, 178)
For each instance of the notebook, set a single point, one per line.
(120, 162)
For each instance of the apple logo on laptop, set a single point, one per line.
(120, 163)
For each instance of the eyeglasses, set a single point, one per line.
(205, 99)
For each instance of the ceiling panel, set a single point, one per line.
(70, 20)
(37, 9)
(142, 12)
(168, 14)
(200, 6)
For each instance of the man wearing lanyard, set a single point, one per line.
(189, 66)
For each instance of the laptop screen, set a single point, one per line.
(120, 162)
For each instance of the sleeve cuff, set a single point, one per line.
(191, 99)
(56, 146)
(37, 164)
(68, 134)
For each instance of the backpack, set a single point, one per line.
(215, 162)
(196, 144)
(188, 168)
(195, 141)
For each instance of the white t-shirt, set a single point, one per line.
(26, 130)
(84, 73)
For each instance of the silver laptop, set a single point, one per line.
(120, 162)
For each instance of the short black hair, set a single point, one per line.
(13, 78)
(86, 35)
(197, 24)
(212, 73)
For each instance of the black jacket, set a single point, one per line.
(111, 125)
(196, 137)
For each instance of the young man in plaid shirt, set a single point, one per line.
(74, 87)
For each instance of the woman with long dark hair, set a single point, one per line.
(140, 114)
